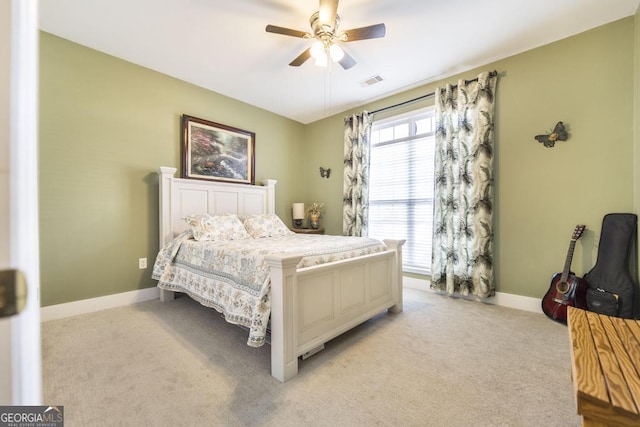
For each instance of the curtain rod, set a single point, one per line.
(429, 95)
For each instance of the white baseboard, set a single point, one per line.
(60, 311)
(501, 298)
(520, 302)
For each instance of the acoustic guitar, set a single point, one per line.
(566, 289)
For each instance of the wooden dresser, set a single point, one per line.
(605, 363)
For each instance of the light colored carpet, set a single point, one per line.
(442, 362)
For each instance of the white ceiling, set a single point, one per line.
(222, 45)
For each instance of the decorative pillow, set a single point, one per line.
(265, 225)
(217, 227)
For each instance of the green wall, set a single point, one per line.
(541, 193)
(107, 124)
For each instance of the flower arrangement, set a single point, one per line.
(315, 210)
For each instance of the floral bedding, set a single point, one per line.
(232, 277)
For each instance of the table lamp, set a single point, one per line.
(298, 214)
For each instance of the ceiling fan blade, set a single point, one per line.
(363, 33)
(327, 12)
(301, 58)
(347, 61)
(285, 31)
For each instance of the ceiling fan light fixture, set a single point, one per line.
(321, 61)
(336, 53)
(317, 50)
(324, 25)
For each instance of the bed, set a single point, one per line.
(308, 296)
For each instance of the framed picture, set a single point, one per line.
(217, 152)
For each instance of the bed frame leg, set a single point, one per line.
(395, 309)
(284, 360)
(167, 295)
(396, 245)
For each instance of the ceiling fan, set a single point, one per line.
(325, 23)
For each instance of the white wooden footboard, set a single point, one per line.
(312, 305)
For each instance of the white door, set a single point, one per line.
(20, 357)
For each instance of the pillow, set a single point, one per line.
(265, 225)
(216, 227)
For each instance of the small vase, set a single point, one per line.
(314, 222)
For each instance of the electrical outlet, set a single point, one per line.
(142, 263)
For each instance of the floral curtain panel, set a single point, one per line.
(355, 196)
(462, 259)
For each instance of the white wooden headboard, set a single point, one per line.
(181, 197)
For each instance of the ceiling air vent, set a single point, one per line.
(372, 80)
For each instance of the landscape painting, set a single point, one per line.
(217, 152)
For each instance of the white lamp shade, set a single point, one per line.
(336, 53)
(317, 50)
(298, 210)
(321, 61)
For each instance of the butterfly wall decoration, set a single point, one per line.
(324, 173)
(559, 133)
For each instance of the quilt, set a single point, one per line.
(233, 278)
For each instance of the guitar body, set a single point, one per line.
(566, 289)
(562, 294)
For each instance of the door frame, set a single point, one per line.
(20, 334)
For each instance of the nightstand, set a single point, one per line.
(308, 230)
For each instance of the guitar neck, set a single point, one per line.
(567, 263)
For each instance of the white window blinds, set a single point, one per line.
(401, 185)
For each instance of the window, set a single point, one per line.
(401, 184)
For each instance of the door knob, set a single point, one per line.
(13, 292)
